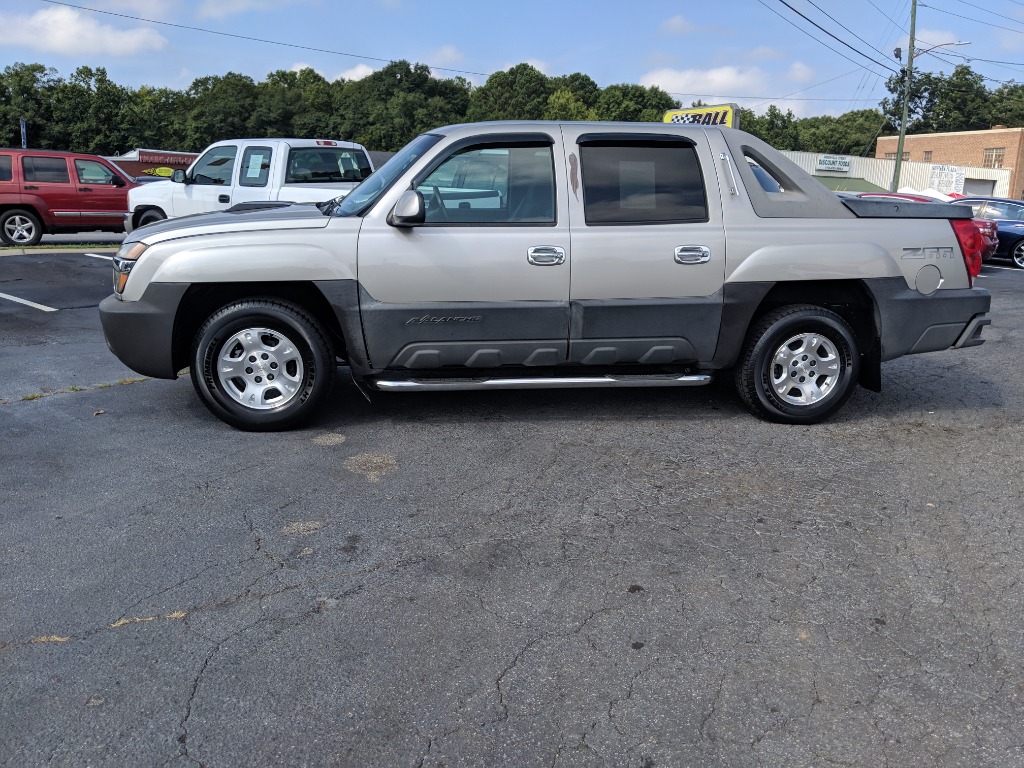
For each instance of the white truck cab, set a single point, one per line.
(253, 170)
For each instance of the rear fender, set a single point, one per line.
(817, 261)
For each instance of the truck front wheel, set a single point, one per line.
(799, 365)
(262, 364)
(152, 216)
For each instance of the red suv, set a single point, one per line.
(44, 192)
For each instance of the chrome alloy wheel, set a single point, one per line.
(20, 229)
(260, 368)
(805, 369)
(1018, 254)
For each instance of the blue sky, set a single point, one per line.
(754, 52)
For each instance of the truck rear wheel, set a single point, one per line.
(262, 364)
(799, 365)
(19, 227)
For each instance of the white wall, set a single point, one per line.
(915, 175)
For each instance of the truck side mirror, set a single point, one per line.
(410, 210)
(116, 181)
(178, 176)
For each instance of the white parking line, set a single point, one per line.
(100, 256)
(27, 302)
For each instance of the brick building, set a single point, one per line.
(995, 148)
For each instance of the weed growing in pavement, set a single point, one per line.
(74, 388)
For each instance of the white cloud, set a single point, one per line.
(358, 72)
(445, 55)
(677, 25)
(71, 32)
(800, 73)
(724, 84)
(708, 84)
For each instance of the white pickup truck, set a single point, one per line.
(547, 254)
(228, 173)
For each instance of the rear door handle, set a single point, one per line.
(692, 254)
(223, 199)
(545, 255)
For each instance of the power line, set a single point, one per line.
(251, 39)
(820, 42)
(834, 37)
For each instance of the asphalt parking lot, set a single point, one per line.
(629, 578)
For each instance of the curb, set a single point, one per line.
(79, 249)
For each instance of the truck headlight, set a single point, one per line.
(125, 259)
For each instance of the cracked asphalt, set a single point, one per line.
(590, 578)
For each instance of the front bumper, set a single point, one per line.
(141, 333)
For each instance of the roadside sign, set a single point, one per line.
(718, 114)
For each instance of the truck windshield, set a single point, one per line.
(360, 199)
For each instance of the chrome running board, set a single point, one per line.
(568, 382)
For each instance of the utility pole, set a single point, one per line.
(906, 99)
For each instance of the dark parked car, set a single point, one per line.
(986, 227)
(1009, 218)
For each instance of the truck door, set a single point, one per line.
(648, 247)
(485, 281)
(253, 176)
(102, 194)
(209, 187)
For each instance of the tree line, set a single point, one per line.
(87, 112)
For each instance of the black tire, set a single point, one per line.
(291, 372)
(152, 216)
(20, 227)
(1017, 253)
(798, 366)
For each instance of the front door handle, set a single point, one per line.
(223, 199)
(85, 189)
(31, 186)
(693, 254)
(545, 255)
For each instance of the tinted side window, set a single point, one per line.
(490, 184)
(255, 170)
(6, 169)
(638, 182)
(46, 169)
(215, 166)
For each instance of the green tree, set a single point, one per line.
(775, 127)
(940, 104)
(634, 103)
(519, 93)
(1006, 105)
(582, 87)
(26, 92)
(563, 104)
(853, 133)
(221, 106)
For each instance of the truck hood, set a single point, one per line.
(247, 217)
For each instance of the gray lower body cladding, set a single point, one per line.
(646, 332)
(141, 333)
